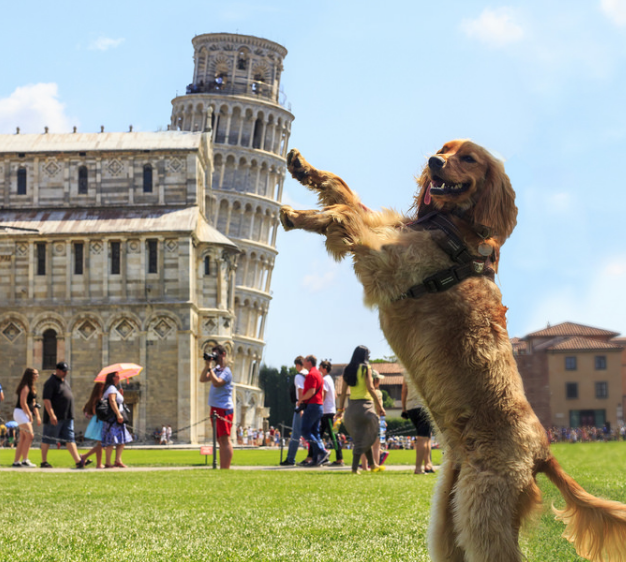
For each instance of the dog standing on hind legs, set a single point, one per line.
(431, 278)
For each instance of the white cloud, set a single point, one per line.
(105, 43)
(317, 282)
(615, 10)
(495, 28)
(33, 107)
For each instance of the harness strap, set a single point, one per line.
(469, 265)
(447, 278)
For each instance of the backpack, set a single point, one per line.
(293, 393)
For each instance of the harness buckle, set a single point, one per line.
(441, 281)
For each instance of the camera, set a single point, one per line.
(37, 406)
(300, 408)
(404, 415)
(209, 356)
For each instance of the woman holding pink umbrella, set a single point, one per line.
(114, 432)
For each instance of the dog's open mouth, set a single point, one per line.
(438, 186)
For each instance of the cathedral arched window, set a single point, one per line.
(21, 181)
(49, 349)
(83, 176)
(147, 178)
(207, 265)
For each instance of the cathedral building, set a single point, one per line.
(150, 247)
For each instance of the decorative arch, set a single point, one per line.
(162, 313)
(124, 325)
(48, 320)
(86, 325)
(207, 346)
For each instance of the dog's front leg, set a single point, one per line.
(338, 223)
(330, 188)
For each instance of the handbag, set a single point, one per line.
(125, 411)
(103, 410)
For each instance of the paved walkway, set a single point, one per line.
(90, 469)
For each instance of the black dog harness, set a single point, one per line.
(467, 264)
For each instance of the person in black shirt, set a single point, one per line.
(58, 416)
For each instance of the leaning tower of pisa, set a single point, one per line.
(235, 94)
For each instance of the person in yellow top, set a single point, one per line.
(361, 416)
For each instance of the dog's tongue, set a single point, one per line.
(427, 197)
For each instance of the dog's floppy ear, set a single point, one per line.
(421, 208)
(495, 206)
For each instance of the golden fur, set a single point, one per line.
(456, 350)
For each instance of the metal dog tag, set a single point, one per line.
(485, 249)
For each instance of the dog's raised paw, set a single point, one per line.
(298, 167)
(287, 223)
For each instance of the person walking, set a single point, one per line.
(25, 410)
(114, 432)
(58, 415)
(382, 426)
(312, 396)
(221, 401)
(296, 423)
(329, 411)
(94, 428)
(412, 409)
(362, 415)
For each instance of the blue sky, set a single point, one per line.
(375, 89)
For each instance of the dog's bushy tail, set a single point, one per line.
(596, 527)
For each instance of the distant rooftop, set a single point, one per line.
(83, 142)
(577, 344)
(572, 329)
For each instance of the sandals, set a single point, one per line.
(86, 461)
(120, 465)
(108, 466)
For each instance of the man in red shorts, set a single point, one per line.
(220, 400)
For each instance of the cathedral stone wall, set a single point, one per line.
(127, 270)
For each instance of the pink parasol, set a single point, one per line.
(124, 370)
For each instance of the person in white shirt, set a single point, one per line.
(296, 425)
(330, 409)
(413, 410)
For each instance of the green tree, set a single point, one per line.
(275, 385)
(388, 401)
(385, 359)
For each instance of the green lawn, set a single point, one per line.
(253, 515)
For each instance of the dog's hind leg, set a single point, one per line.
(485, 515)
(442, 538)
(330, 189)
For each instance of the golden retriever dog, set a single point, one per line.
(431, 277)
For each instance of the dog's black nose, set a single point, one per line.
(436, 162)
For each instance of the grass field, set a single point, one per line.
(253, 515)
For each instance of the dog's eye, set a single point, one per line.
(467, 158)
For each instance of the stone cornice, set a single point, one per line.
(238, 40)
